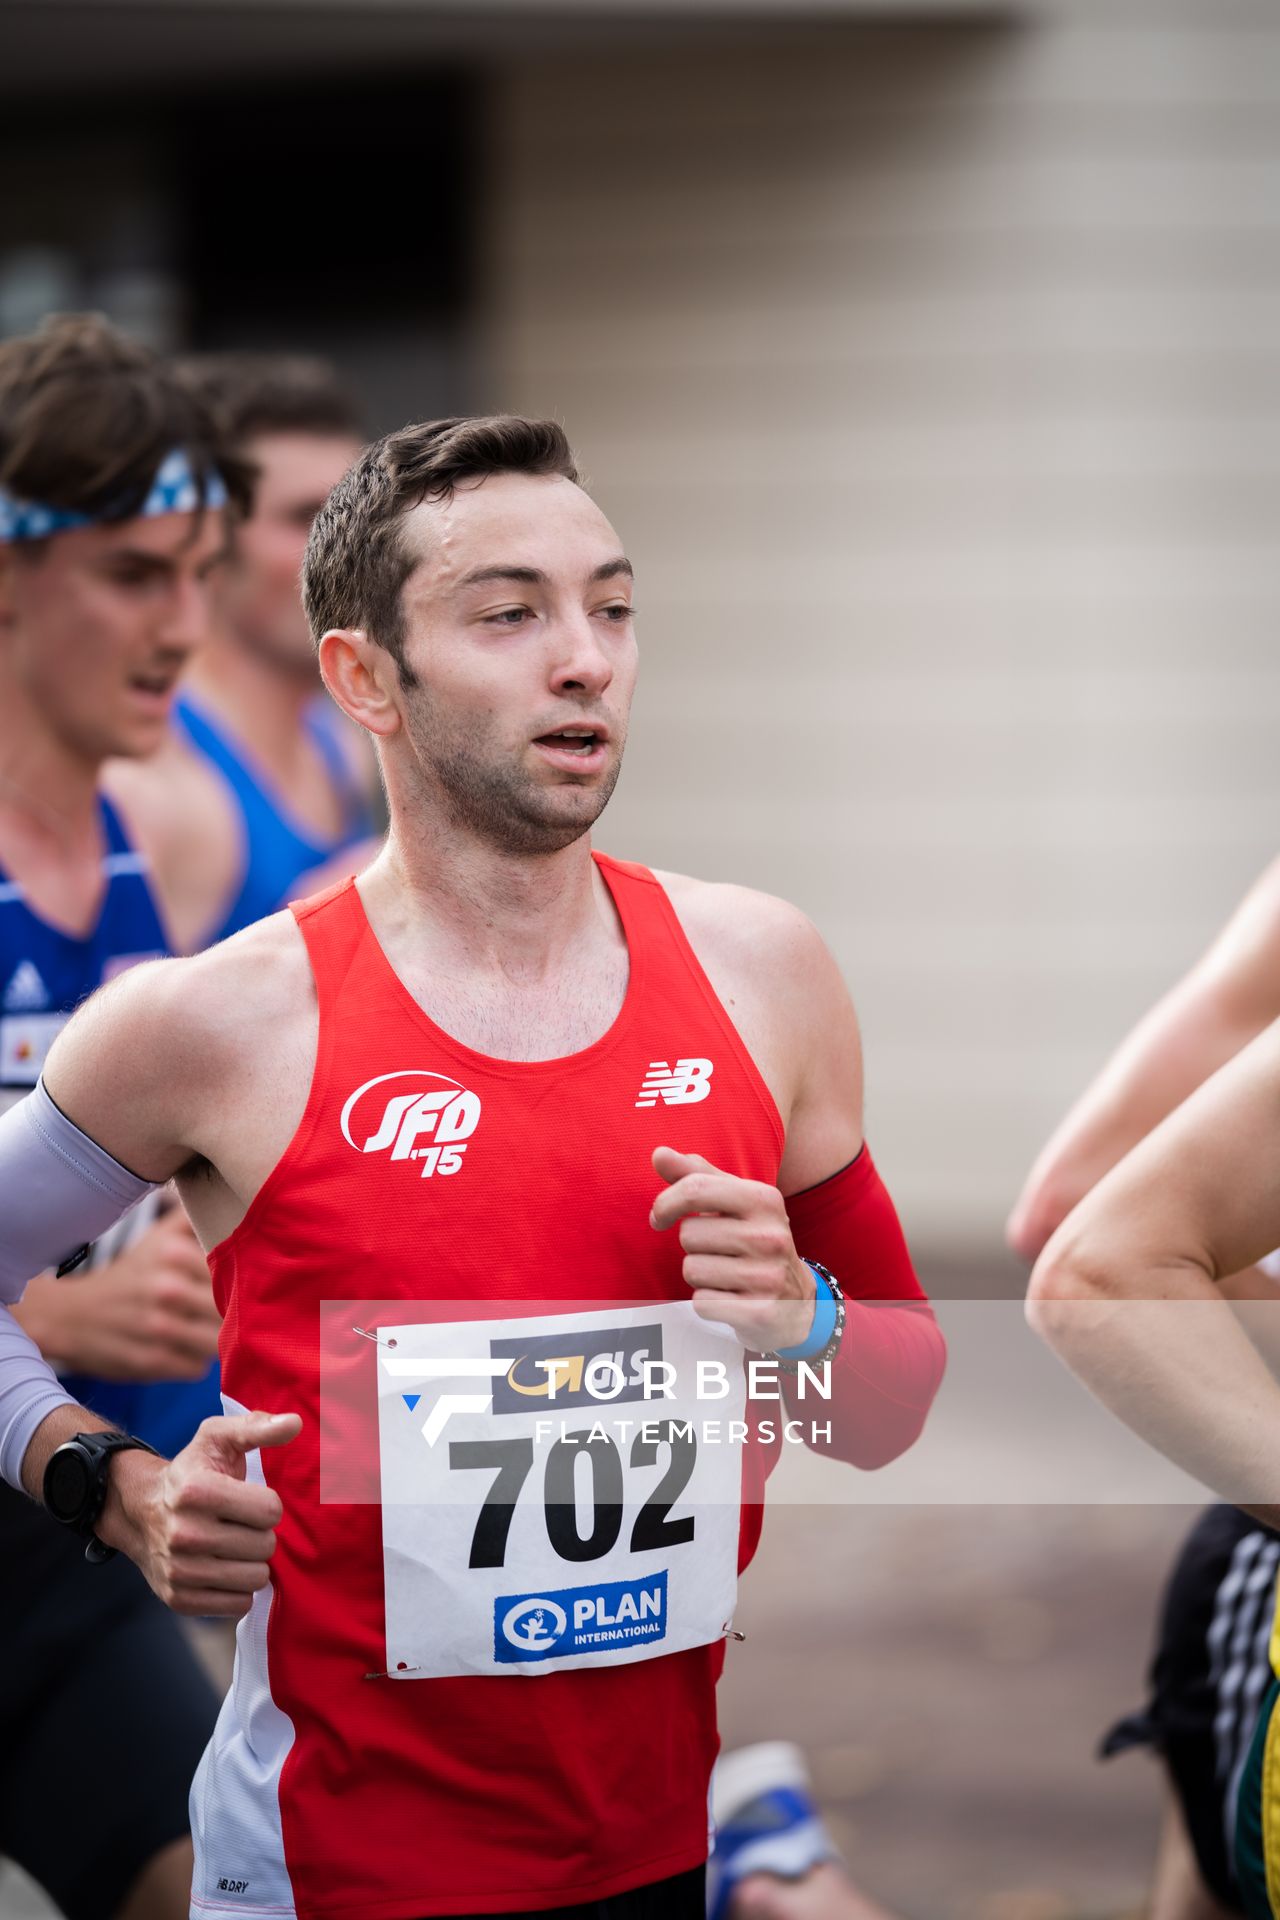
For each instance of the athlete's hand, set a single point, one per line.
(202, 1534)
(147, 1315)
(739, 1257)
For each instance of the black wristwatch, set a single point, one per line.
(75, 1484)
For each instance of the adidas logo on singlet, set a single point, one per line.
(26, 991)
(680, 1086)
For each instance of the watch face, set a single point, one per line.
(67, 1484)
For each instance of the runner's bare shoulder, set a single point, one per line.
(152, 1063)
(777, 978)
(748, 938)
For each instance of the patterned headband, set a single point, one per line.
(175, 489)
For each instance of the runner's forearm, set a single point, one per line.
(892, 1354)
(32, 1403)
(1175, 1366)
(883, 1383)
(61, 1423)
(1169, 1054)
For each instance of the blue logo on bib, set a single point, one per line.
(615, 1614)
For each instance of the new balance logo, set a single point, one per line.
(680, 1086)
(26, 991)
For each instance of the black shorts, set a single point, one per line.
(683, 1897)
(105, 1713)
(1208, 1680)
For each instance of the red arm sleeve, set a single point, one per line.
(892, 1355)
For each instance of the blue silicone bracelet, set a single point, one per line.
(824, 1323)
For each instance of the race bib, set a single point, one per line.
(554, 1494)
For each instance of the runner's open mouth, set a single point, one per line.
(158, 683)
(570, 740)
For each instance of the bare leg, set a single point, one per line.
(1178, 1891)
(162, 1891)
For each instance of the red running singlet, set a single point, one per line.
(328, 1793)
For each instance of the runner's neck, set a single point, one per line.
(48, 788)
(262, 706)
(480, 910)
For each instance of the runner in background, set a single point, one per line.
(1130, 1294)
(104, 591)
(260, 766)
(259, 770)
(1210, 1668)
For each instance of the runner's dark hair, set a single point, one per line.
(87, 415)
(358, 558)
(262, 393)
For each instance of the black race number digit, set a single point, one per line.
(561, 1496)
(653, 1528)
(513, 1459)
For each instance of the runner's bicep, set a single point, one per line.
(118, 1071)
(824, 1127)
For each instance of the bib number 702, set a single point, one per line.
(511, 1462)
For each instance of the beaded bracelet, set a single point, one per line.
(788, 1359)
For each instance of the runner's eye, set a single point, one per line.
(135, 573)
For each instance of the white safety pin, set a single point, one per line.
(376, 1338)
(732, 1633)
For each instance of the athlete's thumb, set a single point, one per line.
(671, 1166)
(225, 1439)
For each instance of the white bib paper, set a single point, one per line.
(544, 1504)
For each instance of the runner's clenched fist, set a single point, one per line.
(739, 1257)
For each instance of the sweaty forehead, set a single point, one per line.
(508, 520)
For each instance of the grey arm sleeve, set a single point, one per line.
(29, 1392)
(58, 1191)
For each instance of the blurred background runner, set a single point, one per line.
(117, 492)
(1211, 1668)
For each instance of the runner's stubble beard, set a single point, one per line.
(488, 794)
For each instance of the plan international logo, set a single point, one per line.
(612, 1613)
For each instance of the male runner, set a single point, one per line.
(1210, 1669)
(259, 780)
(552, 1022)
(103, 595)
(259, 768)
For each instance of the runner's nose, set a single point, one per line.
(187, 616)
(581, 662)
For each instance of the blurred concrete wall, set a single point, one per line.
(933, 380)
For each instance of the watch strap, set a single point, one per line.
(96, 1451)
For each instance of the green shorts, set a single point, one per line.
(1258, 1817)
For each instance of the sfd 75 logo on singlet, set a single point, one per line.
(412, 1116)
